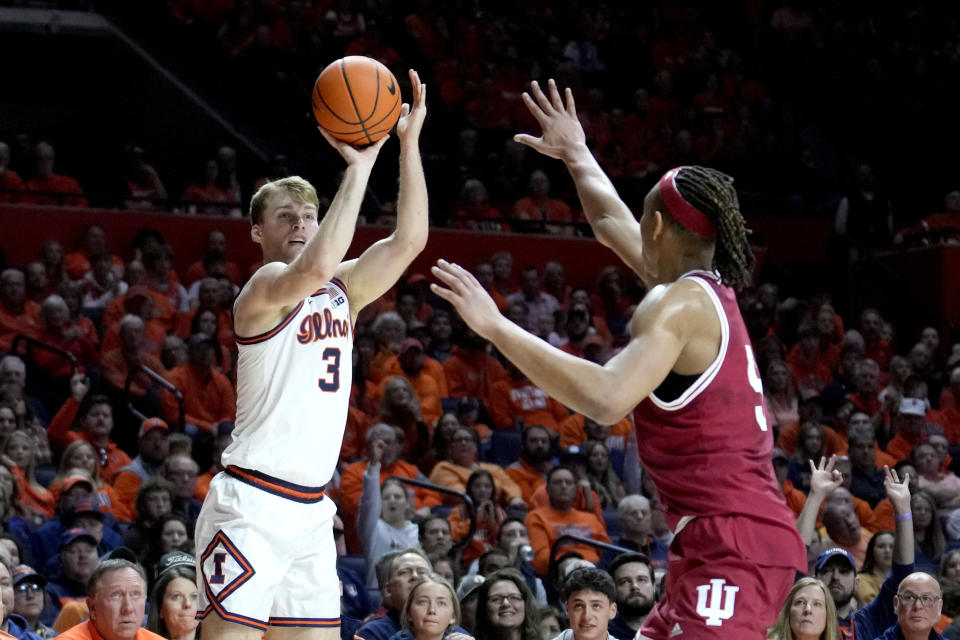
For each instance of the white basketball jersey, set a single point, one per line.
(293, 388)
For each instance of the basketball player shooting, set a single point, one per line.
(688, 376)
(265, 535)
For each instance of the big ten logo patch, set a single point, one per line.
(715, 601)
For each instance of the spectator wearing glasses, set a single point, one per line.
(29, 599)
(918, 603)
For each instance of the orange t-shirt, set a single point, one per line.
(528, 478)
(541, 499)
(571, 433)
(794, 497)
(427, 390)
(549, 210)
(354, 435)
(26, 322)
(116, 369)
(453, 476)
(55, 183)
(836, 443)
(521, 398)
(546, 524)
(10, 181)
(208, 398)
(472, 374)
(900, 446)
(163, 311)
(86, 631)
(60, 436)
(391, 367)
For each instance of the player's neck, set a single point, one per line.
(675, 262)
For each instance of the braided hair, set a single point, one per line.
(712, 193)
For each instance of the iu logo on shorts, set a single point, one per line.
(721, 601)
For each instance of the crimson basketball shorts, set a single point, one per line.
(266, 553)
(714, 589)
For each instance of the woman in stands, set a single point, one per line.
(808, 614)
(430, 611)
(928, 537)
(383, 522)
(80, 454)
(781, 394)
(506, 609)
(21, 449)
(481, 489)
(173, 605)
(876, 566)
(603, 479)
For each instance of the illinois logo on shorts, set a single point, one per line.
(225, 570)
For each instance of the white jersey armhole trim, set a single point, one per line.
(707, 376)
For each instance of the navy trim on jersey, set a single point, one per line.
(276, 486)
(272, 332)
(304, 622)
(339, 283)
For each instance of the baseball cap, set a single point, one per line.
(122, 553)
(175, 559)
(779, 454)
(25, 573)
(72, 535)
(150, 424)
(468, 585)
(73, 480)
(410, 343)
(912, 407)
(825, 557)
(82, 507)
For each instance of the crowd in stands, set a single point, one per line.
(97, 454)
(733, 88)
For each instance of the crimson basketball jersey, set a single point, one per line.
(293, 388)
(708, 451)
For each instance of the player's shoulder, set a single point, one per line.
(674, 301)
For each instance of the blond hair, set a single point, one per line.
(295, 186)
(781, 628)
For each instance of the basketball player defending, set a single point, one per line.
(688, 375)
(265, 536)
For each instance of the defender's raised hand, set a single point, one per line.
(562, 131)
(462, 290)
(411, 118)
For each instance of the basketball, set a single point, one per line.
(357, 100)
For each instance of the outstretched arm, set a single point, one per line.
(612, 221)
(899, 494)
(823, 480)
(660, 328)
(378, 268)
(277, 286)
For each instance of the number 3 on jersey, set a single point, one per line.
(331, 381)
(753, 375)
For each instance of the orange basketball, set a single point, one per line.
(356, 99)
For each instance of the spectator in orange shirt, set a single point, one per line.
(94, 416)
(866, 378)
(117, 363)
(78, 263)
(809, 368)
(53, 188)
(214, 250)
(142, 303)
(61, 332)
(81, 456)
(17, 314)
(390, 331)
(529, 471)
(214, 195)
(158, 261)
(351, 480)
(153, 444)
(411, 361)
(794, 497)
(516, 402)
(484, 272)
(10, 182)
(208, 397)
(481, 489)
(546, 524)
(910, 426)
(876, 348)
(578, 428)
(471, 371)
(455, 470)
(21, 449)
(540, 207)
